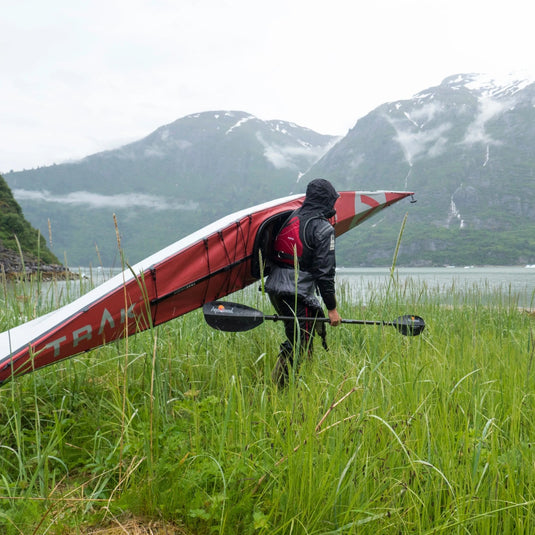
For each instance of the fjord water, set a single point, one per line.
(515, 284)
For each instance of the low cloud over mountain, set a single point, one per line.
(465, 147)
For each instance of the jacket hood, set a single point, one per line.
(320, 198)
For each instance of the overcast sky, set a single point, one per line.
(78, 77)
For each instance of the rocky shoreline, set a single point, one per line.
(12, 266)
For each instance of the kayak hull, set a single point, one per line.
(207, 265)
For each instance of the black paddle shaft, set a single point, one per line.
(234, 317)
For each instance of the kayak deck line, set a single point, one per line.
(178, 291)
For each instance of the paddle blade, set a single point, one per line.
(409, 325)
(231, 317)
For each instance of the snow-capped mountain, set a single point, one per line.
(466, 147)
(490, 86)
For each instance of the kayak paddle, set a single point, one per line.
(234, 317)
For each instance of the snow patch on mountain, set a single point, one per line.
(286, 127)
(491, 85)
(241, 122)
(495, 95)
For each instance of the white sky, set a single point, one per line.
(78, 77)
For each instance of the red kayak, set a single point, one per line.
(209, 264)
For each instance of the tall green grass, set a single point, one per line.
(381, 434)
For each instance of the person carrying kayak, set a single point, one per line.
(303, 261)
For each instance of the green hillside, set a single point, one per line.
(13, 227)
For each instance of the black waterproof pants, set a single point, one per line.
(299, 334)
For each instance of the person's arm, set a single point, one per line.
(325, 268)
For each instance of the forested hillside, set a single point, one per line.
(17, 235)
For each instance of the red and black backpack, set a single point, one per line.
(291, 244)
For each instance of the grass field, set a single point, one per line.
(180, 431)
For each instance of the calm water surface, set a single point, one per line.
(514, 283)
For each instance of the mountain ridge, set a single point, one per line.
(464, 146)
(181, 176)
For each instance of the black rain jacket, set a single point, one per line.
(318, 270)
